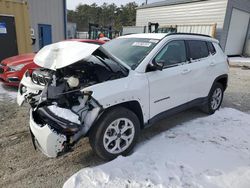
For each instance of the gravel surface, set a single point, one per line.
(22, 166)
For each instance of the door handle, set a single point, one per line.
(185, 71)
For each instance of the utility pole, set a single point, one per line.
(146, 2)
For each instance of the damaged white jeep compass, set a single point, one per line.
(110, 92)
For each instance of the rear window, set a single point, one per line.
(211, 48)
(197, 49)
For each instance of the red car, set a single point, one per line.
(13, 68)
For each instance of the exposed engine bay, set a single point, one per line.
(64, 84)
(64, 111)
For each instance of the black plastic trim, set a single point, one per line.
(168, 113)
(220, 77)
(194, 34)
(44, 116)
(159, 100)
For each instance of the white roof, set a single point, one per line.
(158, 36)
(62, 54)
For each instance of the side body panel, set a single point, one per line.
(168, 88)
(204, 72)
(132, 88)
(184, 83)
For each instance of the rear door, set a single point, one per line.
(169, 87)
(8, 40)
(201, 64)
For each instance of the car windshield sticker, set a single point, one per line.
(154, 41)
(3, 29)
(142, 44)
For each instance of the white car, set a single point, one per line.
(110, 93)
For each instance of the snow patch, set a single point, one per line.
(7, 93)
(208, 152)
(239, 60)
(64, 113)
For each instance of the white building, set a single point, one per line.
(48, 21)
(231, 16)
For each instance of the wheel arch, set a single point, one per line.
(223, 80)
(133, 105)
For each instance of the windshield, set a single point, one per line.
(130, 50)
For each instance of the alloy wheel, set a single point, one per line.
(216, 98)
(118, 136)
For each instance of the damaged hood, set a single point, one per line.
(62, 54)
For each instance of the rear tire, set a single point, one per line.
(115, 133)
(215, 99)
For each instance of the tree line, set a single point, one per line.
(105, 15)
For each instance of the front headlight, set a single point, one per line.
(16, 68)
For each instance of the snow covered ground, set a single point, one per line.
(7, 93)
(239, 61)
(209, 152)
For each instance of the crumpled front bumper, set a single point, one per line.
(46, 139)
(28, 91)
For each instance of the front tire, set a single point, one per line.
(215, 99)
(115, 133)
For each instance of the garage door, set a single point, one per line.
(237, 32)
(8, 41)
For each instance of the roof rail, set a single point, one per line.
(197, 34)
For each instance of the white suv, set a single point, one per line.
(110, 93)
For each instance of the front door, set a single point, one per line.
(8, 40)
(45, 35)
(169, 87)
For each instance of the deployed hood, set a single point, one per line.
(62, 54)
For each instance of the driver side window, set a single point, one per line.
(172, 54)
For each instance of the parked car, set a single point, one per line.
(12, 69)
(109, 93)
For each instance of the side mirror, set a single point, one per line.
(158, 65)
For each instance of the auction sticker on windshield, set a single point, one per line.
(154, 41)
(142, 44)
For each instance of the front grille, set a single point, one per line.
(13, 79)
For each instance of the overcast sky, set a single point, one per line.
(71, 4)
